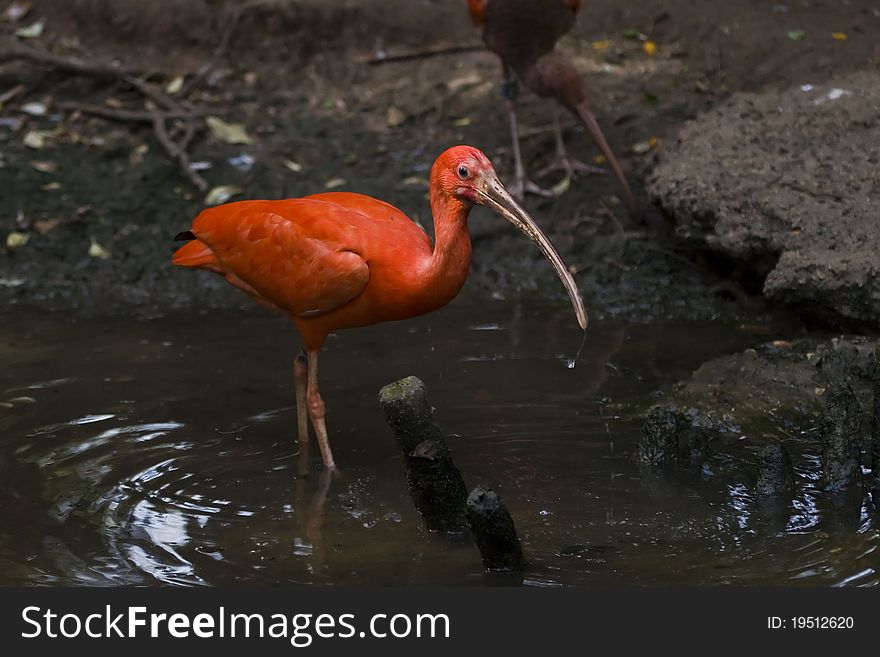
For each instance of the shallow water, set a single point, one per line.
(164, 452)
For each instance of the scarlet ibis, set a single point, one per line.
(523, 33)
(340, 260)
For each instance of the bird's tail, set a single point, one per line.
(586, 116)
(194, 254)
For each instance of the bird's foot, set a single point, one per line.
(572, 167)
(524, 186)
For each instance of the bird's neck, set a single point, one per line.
(554, 76)
(451, 258)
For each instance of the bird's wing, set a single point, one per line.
(300, 255)
(478, 10)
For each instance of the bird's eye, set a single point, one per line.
(463, 172)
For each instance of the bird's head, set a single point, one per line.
(466, 174)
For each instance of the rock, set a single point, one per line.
(435, 484)
(784, 186)
(735, 410)
(841, 436)
(494, 531)
(775, 472)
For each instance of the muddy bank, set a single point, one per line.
(782, 186)
(782, 418)
(294, 76)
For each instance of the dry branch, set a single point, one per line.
(135, 116)
(383, 58)
(70, 64)
(177, 153)
(161, 107)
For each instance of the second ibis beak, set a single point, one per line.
(493, 195)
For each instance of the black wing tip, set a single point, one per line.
(184, 236)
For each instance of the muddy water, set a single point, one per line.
(164, 453)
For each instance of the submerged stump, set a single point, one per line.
(494, 531)
(874, 374)
(672, 437)
(659, 441)
(435, 484)
(841, 437)
(775, 472)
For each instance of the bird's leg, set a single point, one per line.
(316, 411)
(563, 161)
(522, 185)
(301, 381)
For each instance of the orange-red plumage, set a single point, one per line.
(194, 254)
(333, 260)
(339, 260)
(478, 10)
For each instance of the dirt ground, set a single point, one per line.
(100, 201)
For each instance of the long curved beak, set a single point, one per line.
(493, 195)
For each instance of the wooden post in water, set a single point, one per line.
(493, 529)
(434, 483)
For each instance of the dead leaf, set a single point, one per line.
(46, 166)
(229, 133)
(394, 117)
(839, 36)
(32, 31)
(11, 282)
(34, 109)
(175, 85)
(15, 240)
(650, 48)
(98, 251)
(37, 139)
(462, 122)
(643, 147)
(51, 187)
(600, 45)
(334, 182)
(16, 11)
(416, 181)
(562, 186)
(45, 226)
(463, 81)
(296, 167)
(137, 154)
(221, 194)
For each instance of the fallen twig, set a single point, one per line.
(136, 116)
(6, 96)
(161, 107)
(177, 152)
(383, 58)
(70, 64)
